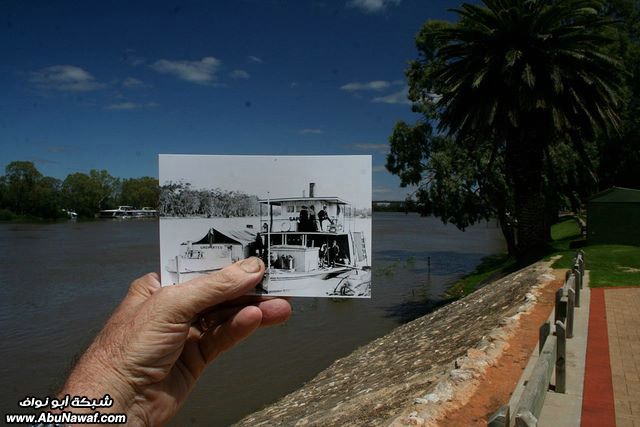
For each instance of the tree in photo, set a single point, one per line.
(180, 199)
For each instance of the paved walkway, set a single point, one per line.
(612, 378)
(623, 325)
(603, 364)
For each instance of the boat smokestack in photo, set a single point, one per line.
(312, 186)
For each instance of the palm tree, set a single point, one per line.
(526, 74)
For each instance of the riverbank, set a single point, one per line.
(9, 216)
(611, 265)
(418, 367)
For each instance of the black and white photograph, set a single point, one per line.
(307, 217)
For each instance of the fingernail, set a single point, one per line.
(250, 265)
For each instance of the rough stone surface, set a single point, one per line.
(413, 374)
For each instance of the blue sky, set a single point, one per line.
(111, 84)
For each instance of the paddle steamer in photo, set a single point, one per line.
(306, 243)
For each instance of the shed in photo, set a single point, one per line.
(613, 216)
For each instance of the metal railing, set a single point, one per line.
(552, 354)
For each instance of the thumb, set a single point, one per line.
(184, 301)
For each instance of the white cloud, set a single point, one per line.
(372, 85)
(130, 57)
(379, 168)
(131, 106)
(293, 84)
(133, 83)
(380, 148)
(66, 78)
(252, 58)
(308, 131)
(399, 97)
(239, 75)
(372, 6)
(200, 72)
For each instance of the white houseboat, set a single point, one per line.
(128, 212)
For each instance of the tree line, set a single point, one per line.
(180, 199)
(395, 206)
(26, 193)
(524, 108)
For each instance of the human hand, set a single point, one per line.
(157, 343)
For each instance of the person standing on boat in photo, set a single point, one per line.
(259, 246)
(334, 253)
(313, 226)
(323, 254)
(303, 219)
(323, 216)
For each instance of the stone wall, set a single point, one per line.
(424, 362)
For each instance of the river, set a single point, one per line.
(59, 282)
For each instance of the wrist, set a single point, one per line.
(94, 379)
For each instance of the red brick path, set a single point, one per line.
(598, 408)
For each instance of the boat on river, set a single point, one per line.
(128, 212)
(306, 254)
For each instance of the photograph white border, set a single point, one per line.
(308, 217)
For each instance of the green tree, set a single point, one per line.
(460, 183)
(619, 155)
(48, 198)
(82, 193)
(109, 188)
(3, 192)
(140, 192)
(21, 178)
(521, 76)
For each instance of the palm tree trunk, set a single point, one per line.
(532, 228)
(524, 165)
(508, 232)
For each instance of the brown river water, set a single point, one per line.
(59, 283)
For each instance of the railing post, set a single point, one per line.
(556, 304)
(526, 419)
(561, 305)
(561, 357)
(500, 418)
(543, 333)
(578, 284)
(570, 312)
(580, 257)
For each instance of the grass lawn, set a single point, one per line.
(491, 268)
(610, 265)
